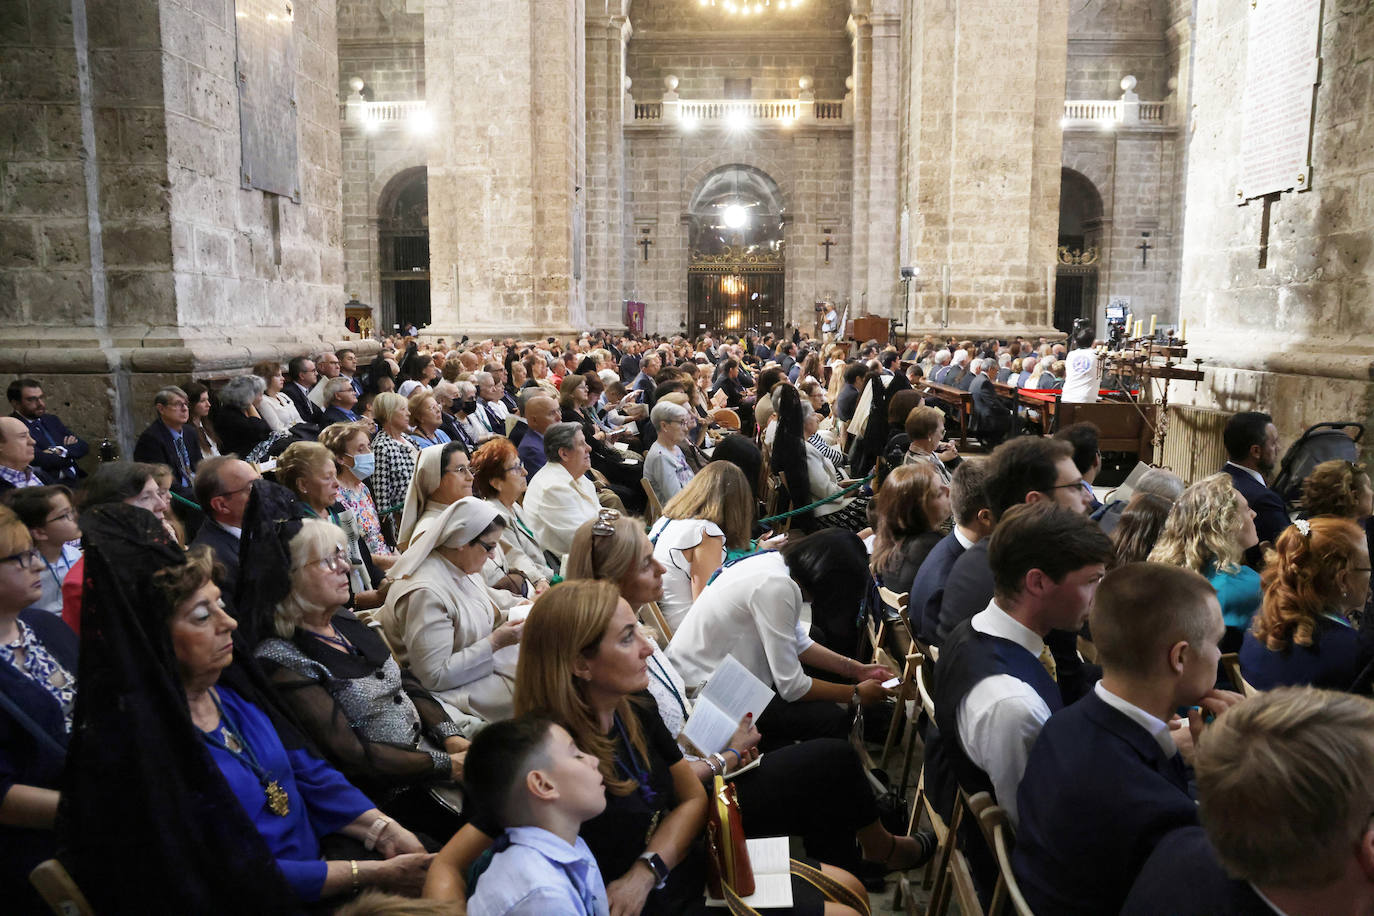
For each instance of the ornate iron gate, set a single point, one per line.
(733, 292)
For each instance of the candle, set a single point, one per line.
(1185, 329)
(1137, 328)
(1152, 325)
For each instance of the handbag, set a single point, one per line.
(730, 876)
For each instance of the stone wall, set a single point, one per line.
(813, 170)
(1295, 337)
(132, 257)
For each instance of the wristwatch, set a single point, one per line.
(657, 866)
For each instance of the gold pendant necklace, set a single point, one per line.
(278, 802)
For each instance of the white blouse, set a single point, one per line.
(671, 537)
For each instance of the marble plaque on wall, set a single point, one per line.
(1281, 71)
(266, 62)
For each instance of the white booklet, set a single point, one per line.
(770, 857)
(730, 694)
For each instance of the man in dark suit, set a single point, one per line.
(1105, 780)
(223, 485)
(300, 379)
(56, 448)
(340, 401)
(972, 523)
(1279, 835)
(165, 440)
(644, 381)
(1252, 447)
(991, 417)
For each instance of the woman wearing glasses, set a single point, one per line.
(372, 720)
(37, 676)
(443, 620)
(442, 477)
(499, 478)
(665, 467)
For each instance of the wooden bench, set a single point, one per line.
(960, 403)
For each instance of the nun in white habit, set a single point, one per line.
(441, 617)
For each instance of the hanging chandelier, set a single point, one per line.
(751, 7)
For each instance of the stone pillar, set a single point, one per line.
(875, 27)
(984, 98)
(1294, 337)
(505, 84)
(130, 255)
(605, 166)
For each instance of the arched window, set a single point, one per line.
(736, 223)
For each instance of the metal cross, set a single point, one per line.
(645, 243)
(826, 244)
(1144, 249)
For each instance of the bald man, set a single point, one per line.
(541, 412)
(16, 456)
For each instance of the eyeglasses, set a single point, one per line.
(1080, 482)
(25, 558)
(488, 548)
(334, 562)
(516, 468)
(605, 522)
(65, 515)
(465, 470)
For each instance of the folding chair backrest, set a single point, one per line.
(1001, 838)
(1230, 663)
(655, 507)
(651, 615)
(923, 684)
(58, 890)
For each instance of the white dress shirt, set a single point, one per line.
(556, 505)
(1259, 478)
(753, 611)
(1002, 715)
(1157, 727)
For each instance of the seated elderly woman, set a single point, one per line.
(470, 431)
(442, 476)
(1315, 578)
(665, 467)
(925, 430)
(396, 454)
(240, 426)
(276, 407)
(426, 416)
(712, 514)
(440, 617)
(912, 504)
(1138, 527)
(309, 472)
(351, 446)
(38, 677)
(499, 478)
(228, 815)
(560, 497)
(810, 477)
(759, 602)
(388, 735)
(1208, 531)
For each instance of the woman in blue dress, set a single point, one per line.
(1303, 635)
(186, 790)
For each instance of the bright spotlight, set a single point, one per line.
(421, 122)
(736, 216)
(737, 119)
(688, 123)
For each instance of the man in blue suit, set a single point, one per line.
(165, 440)
(972, 523)
(1252, 445)
(56, 449)
(1105, 780)
(1292, 835)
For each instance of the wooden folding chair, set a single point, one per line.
(953, 877)
(655, 507)
(1087, 651)
(1001, 837)
(904, 716)
(1230, 663)
(725, 418)
(652, 617)
(58, 890)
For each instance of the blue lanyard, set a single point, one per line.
(637, 770)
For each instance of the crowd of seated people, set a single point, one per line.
(316, 583)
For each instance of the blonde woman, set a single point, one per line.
(351, 446)
(711, 515)
(1208, 531)
(396, 454)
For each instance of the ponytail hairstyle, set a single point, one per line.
(1299, 579)
(789, 445)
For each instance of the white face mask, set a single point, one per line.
(364, 465)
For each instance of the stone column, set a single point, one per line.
(605, 166)
(984, 99)
(875, 27)
(505, 85)
(130, 254)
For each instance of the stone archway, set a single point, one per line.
(403, 249)
(736, 240)
(1080, 250)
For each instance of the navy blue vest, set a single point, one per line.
(966, 658)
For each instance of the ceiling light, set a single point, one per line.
(736, 216)
(688, 122)
(737, 119)
(421, 122)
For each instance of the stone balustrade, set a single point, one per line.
(1127, 111)
(732, 112)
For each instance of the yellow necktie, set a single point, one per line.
(1047, 659)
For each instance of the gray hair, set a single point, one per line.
(465, 389)
(1029, 363)
(528, 394)
(164, 396)
(241, 391)
(482, 378)
(989, 363)
(666, 412)
(942, 357)
(1160, 482)
(334, 386)
(558, 437)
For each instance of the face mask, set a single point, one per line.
(364, 465)
(469, 406)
